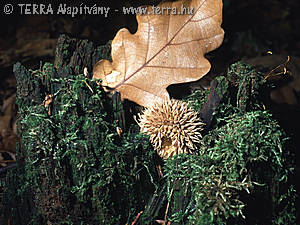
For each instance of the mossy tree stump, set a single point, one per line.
(74, 167)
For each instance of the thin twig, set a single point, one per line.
(168, 205)
(280, 73)
(89, 86)
(137, 218)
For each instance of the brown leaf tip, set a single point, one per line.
(174, 127)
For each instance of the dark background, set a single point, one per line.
(252, 28)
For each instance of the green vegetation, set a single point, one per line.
(239, 165)
(74, 167)
(241, 173)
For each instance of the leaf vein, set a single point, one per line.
(168, 43)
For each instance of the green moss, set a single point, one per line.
(248, 84)
(242, 169)
(197, 99)
(74, 168)
(77, 168)
(240, 159)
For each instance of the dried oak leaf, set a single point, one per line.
(166, 49)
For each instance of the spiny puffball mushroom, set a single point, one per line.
(174, 127)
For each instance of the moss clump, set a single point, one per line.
(242, 172)
(197, 99)
(241, 163)
(75, 166)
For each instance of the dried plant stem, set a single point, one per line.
(168, 205)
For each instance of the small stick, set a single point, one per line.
(88, 86)
(137, 218)
(168, 205)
